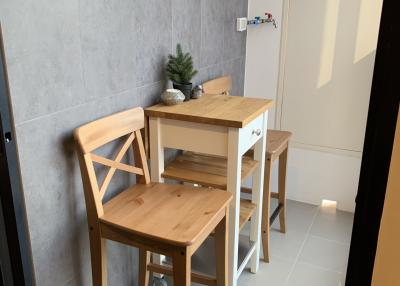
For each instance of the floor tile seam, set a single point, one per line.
(320, 267)
(302, 247)
(330, 240)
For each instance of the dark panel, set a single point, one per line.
(381, 124)
(16, 261)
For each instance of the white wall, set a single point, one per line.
(338, 46)
(262, 53)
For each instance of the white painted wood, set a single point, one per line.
(156, 168)
(246, 260)
(156, 151)
(257, 195)
(251, 133)
(233, 186)
(262, 53)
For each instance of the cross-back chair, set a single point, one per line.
(172, 220)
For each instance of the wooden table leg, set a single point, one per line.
(257, 197)
(233, 186)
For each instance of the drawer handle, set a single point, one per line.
(257, 132)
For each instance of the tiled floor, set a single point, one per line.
(313, 252)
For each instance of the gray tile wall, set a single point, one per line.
(72, 61)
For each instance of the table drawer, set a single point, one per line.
(251, 133)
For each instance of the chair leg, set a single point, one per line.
(181, 260)
(266, 209)
(282, 189)
(98, 253)
(144, 274)
(221, 250)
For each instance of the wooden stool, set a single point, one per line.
(173, 220)
(277, 147)
(210, 171)
(221, 85)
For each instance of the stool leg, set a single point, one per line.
(181, 260)
(144, 259)
(221, 250)
(98, 253)
(266, 209)
(282, 189)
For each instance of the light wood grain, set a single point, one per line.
(223, 110)
(205, 170)
(277, 142)
(117, 159)
(169, 219)
(173, 213)
(282, 188)
(221, 250)
(221, 85)
(247, 209)
(97, 133)
(265, 224)
(211, 171)
(182, 267)
(144, 260)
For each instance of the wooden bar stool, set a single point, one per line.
(221, 85)
(277, 148)
(173, 220)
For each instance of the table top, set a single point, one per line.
(223, 110)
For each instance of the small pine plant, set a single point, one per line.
(180, 67)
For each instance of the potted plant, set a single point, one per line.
(180, 71)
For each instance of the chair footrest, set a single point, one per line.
(205, 170)
(276, 212)
(196, 277)
(249, 191)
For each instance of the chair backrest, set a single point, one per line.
(221, 85)
(98, 133)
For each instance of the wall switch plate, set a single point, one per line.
(241, 24)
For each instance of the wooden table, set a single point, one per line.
(224, 126)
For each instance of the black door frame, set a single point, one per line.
(16, 258)
(379, 137)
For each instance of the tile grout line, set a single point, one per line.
(302, 246)
(331, 240)
(92, 100)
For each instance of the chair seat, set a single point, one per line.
(205, 170)
(176, 214)
(276, 140)
(277, 143)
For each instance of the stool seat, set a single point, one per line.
(277, 139)
(176, 214)
(277, 143)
